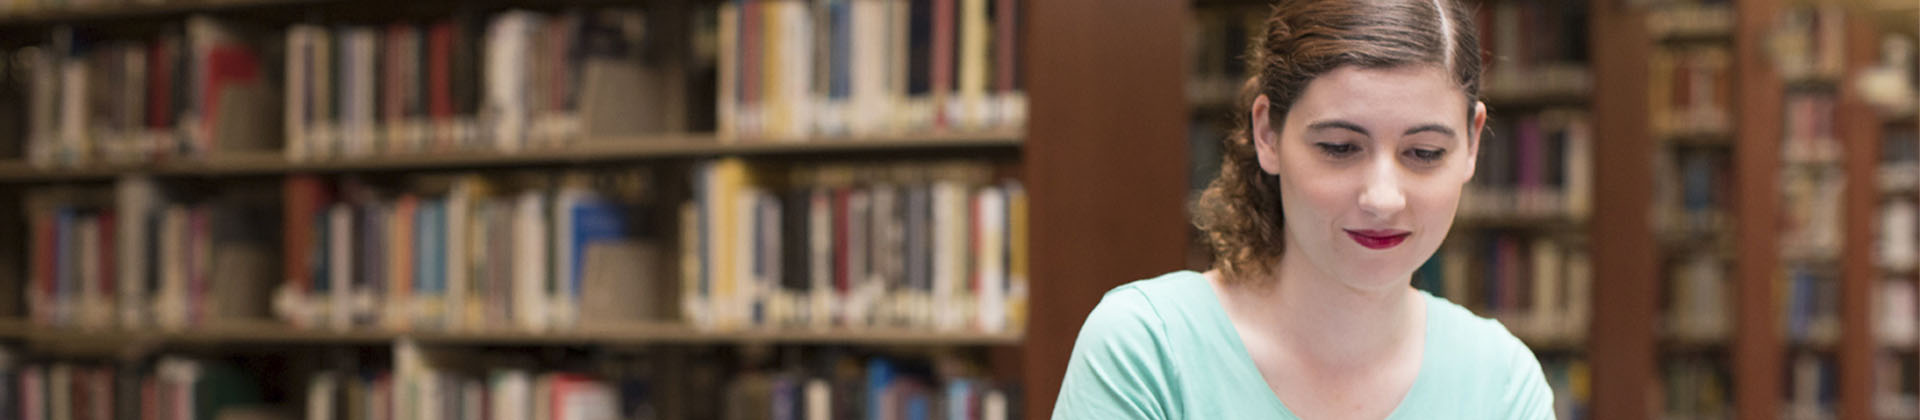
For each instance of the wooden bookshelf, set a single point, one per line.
(606, 150)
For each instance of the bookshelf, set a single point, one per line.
(1091, 143)
(598, 151)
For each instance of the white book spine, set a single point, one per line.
(73, 114)
(299, 37)
(320, 396)
(134, 200)
(170, 305)
(339, 265)
(820, 259)
(949, 254)
(530, 261)
(990, 264)
(819, 400)
(1548, 282)
(459, 208)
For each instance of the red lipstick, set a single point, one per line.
(1378, 239)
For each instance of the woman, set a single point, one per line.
(1362, 126)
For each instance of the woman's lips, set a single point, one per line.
(1378, 239)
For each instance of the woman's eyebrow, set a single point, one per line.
(1338, 124)
(1437, 128)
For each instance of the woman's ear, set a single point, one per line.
(1265, 144)
(1473, 135)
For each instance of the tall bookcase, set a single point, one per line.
(1098, 157)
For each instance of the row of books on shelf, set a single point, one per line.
(1812, 388)
(1692, 196)
(1812, 211)
(510, 81)
(423, 384)
(529, 251)
(1691, 91)
(1689, 18)
(417, 383)
(1809, 135)
(99, 259)
(1695, 387)
(1809, 42)
(1896, 320)
(168, 388)
(1534, 47)
(1540, 164)
(1896, 389)
(809, 246)
(1810, 303)
(1571, 380)
(1530, 48)
(941, 247)
(193, 88)
(792, 68)
(1540, 287)
(1698, 308)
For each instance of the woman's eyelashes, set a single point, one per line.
(1337, 150)
(1426, 155)
(1419, 155)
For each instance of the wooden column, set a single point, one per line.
(1105, 164)
(1626, 274)
(1858, 127)
(1758, 366)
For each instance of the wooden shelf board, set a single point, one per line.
(590, 151)
(133, 10)
(637, 333)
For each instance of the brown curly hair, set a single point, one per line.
(1239, 212)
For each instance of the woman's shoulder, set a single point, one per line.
(1178, 296)
(1479, 356)
(1470, 338)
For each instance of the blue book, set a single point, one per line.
(879, 376)
(594, 220)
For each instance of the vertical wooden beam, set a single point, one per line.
(1105, 163)
(1625, 263)
(1858, 127)
(1758, 366)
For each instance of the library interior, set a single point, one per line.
(891, 209)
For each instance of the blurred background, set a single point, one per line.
(889, 209)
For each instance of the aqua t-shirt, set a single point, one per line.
(1164, 349)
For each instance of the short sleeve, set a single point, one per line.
(1118, 370)
(1529, 396)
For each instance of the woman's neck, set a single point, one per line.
(1329, 323)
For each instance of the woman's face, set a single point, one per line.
(1371, 164)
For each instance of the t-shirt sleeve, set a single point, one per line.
(1118, 369)
(1529, 397)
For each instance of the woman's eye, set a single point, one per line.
(1427, 155)
(1337, 149)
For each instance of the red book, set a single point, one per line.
(750, 53)
(160, 84)
(943, 58)
(440, 80)
(842, 285)
(302, 202)
(226, 65)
